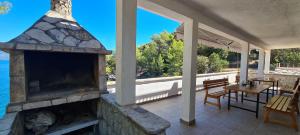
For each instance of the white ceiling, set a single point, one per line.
(274, 22)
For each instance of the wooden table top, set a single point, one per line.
(254, 90)
(265, 79)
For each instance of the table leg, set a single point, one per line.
(267, 95)
(273, 89)
(229, 93)
(242, 100)
(277, 87)
(257, 105)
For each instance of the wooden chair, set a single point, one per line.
(210, 84)
(284, 105)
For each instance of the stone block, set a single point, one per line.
(25, 46)
(14, 108)
(34, 105)
(17, 89)
(59, 101)
(40, 36)
(43, 47)
(44, 26)
(90, 96)
(74, 98)
(102, 83)
(102, 65)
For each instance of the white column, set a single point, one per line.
(244, 63)
(189, 71)
(125, 52)
(261, 63)
(267, 61)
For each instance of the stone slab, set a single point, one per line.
(59, 101)
(34, 105)
(14, 108)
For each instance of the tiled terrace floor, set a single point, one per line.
(211, 121)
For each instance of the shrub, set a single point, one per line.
(202, 64)
(215, 63)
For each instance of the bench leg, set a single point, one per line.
(236, 96)
(266, 115)
(294, 121)
(297, 109)
(205, 99)
(219, 103)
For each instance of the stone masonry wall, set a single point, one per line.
(128, 120)
(17, 77)
(285, 80)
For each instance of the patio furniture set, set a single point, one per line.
(284, 102)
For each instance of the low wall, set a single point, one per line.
(128, 120)
(153, 89)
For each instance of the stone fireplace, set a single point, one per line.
(57, 70)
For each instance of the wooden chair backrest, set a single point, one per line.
(295, 97)
(296, 83)
(208, 84)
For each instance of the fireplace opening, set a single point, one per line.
(73, 118)
(60, 73)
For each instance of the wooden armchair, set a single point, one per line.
(210, 84)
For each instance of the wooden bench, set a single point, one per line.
(210, 84)
(283, 105)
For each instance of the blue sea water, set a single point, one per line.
(4, 86)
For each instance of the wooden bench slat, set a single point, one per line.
(272, 101)
(282, 103)
(274, 106)
(218, 93)
(285, 107)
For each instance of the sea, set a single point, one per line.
(4, 86)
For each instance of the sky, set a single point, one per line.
(97, 16)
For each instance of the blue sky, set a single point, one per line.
(97, 16)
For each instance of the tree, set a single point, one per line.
(174, 59)
(110, 64)
(216, 64)
(202, 64)
(5, 7)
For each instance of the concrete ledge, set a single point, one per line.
(132, 119)
(11, 124)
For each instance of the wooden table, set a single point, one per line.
(268, 79)
(251, 90)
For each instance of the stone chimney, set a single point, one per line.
(63, 7)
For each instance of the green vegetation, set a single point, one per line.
(286, 57)
(163, 56)
(5, 7)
